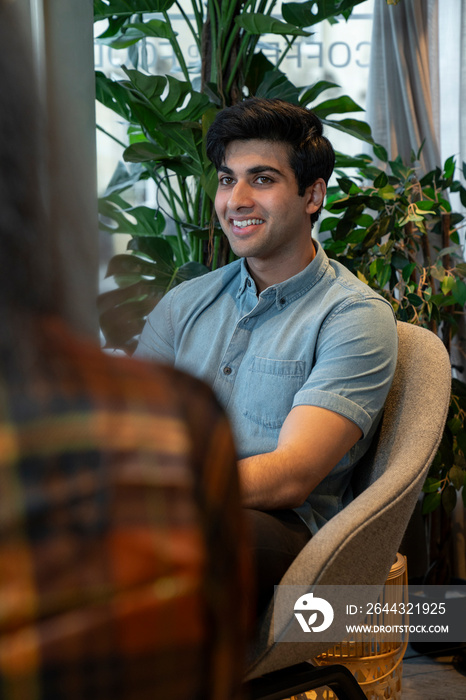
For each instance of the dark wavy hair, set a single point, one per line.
(311, 153)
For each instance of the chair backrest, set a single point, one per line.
(359, 545)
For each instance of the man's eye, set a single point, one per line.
(264, 180)
(225, 180)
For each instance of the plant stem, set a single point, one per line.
(107, 133)
(172, 279)
(199, 15)
(231, 29)
(237, 64)
(196, 205)
(176, 48)
(179, 233)
(185, 203)
(195, 34)
(286, 51)
(205, 213)
(212, 6)
(235, 29)
(245, 41)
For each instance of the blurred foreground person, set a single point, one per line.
(122, 567)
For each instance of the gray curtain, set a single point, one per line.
(403, 91)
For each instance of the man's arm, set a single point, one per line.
(311, 442)
(156, 341)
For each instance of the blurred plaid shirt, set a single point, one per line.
(123, 569)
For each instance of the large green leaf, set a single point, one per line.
(147, 152)
(159, 250)
(170, 117)
(171, 99)
(344, 161)
(259, 66)
(131, 266)
(352, 127)
(121, 40)
(431, 501)
(338, 105)
(136, 221)
(305, 14)
(121, 324)
(147, 88)
(180, 134)
(124, 177)
(122, 312)
(312, 93)
(139, 290)
(113, 94)
(143, 152)
(459, 292)
(127, 35)
(190, 270)
(255, 23)
(456, 476)
(103, 10)
(113, 29)
(276, 84)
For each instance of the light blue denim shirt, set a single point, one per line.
(321, 338)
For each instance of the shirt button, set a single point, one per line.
(282, 301)
(248, 282)
(227, 370)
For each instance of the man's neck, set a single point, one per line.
(267, 273)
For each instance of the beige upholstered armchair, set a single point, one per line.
(359, 545)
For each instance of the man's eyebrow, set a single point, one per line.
(252, 171)
(264, 168)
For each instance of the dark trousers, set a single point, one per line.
(277, 537)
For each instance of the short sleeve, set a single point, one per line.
(354, 362)
(157, 337)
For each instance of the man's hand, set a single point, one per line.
(311, 442)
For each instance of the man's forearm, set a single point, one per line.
(311, 442)
(268, 482)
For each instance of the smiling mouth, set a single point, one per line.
(247, 222)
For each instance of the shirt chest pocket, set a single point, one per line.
(270, 390)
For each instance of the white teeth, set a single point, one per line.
(247, 222)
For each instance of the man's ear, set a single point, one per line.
(315, 194)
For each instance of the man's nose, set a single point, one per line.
(241, 197)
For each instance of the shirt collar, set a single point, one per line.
(246, 281)
(295, 286)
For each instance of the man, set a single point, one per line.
(300, 352)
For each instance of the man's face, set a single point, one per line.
(257, 202)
